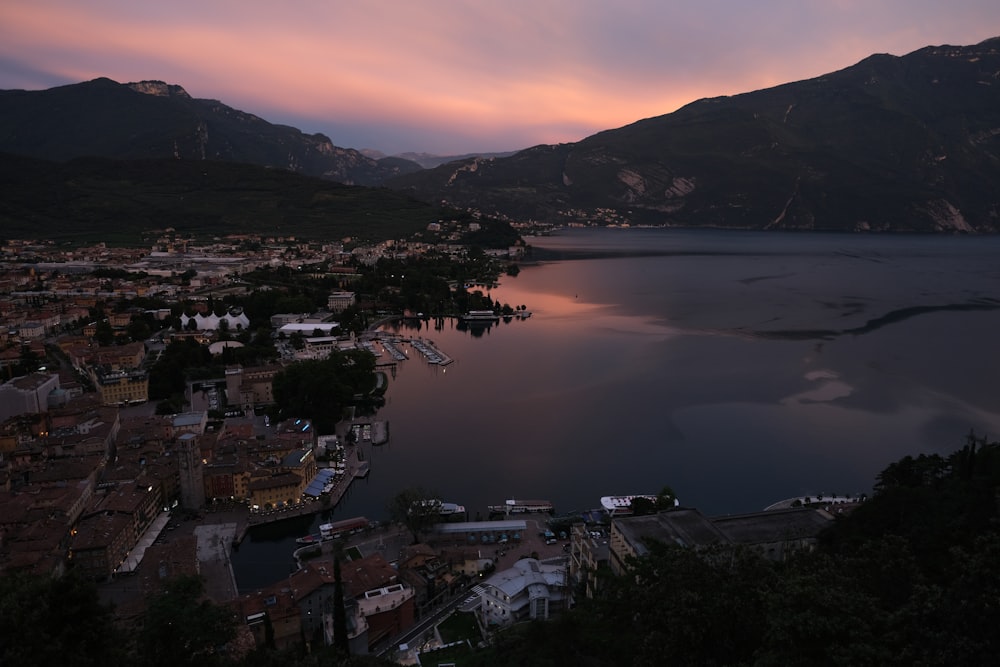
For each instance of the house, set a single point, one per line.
(531, 589)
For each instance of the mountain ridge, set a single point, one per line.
(892, 143)
(153, 119)
(908, 143)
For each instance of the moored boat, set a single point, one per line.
(622, 505)
(480, 316)
(514, 506)
(332, 531)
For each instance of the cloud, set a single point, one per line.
(520, 71)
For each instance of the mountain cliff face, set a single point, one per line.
(906, 143)
(152, 119)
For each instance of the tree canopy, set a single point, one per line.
(320, 389)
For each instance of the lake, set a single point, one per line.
(739, 368)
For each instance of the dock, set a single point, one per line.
(431, 353)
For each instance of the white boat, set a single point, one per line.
(436, 506)
(448, 509)
(480, 316)
(622, 505)
(521, 506)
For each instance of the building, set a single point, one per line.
(589, 554)
(28, 394)
(275, 490)
(101, 543)
(776, 533)
(120, 387)
(272, 614)
(116, 372)
(309, 329)
(189, 422)
(251, 387)
(340, 301)
(531, 589)
(234, 320)
(192, 474)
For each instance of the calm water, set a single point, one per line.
(739, 368)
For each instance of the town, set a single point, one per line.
(143, 438)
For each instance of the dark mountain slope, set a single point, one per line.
(151, 119)
(122, 202)
(906, 143)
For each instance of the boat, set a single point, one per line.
(309, 539)
(448, 509)
(622, 505)
(436, 506)
(337, 529)
(520, 506)
(480, 316)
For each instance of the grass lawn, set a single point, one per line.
(459, 655)
(459, 626)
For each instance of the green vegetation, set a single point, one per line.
(125, 202)
(460, 626)
(55, 622)
(182, 627)
(320, 389)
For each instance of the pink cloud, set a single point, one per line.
(541, 70)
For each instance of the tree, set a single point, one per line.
(55, 622)
(320, 389)
(665, 499)
(104, 334)
(416, 509)
(182, 627)
(340, 639)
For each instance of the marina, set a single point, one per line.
(431, 353)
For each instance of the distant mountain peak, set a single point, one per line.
(158, 88)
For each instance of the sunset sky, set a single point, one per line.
(456, 76)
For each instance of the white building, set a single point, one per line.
(531, 589)
(234, 320)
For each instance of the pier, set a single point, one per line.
(431, 353)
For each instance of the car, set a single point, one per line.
(551, 540)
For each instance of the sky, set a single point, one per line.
(460, 76)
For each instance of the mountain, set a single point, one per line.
(152, 119)
(124, 202)
(430, 160)
(907, 143)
